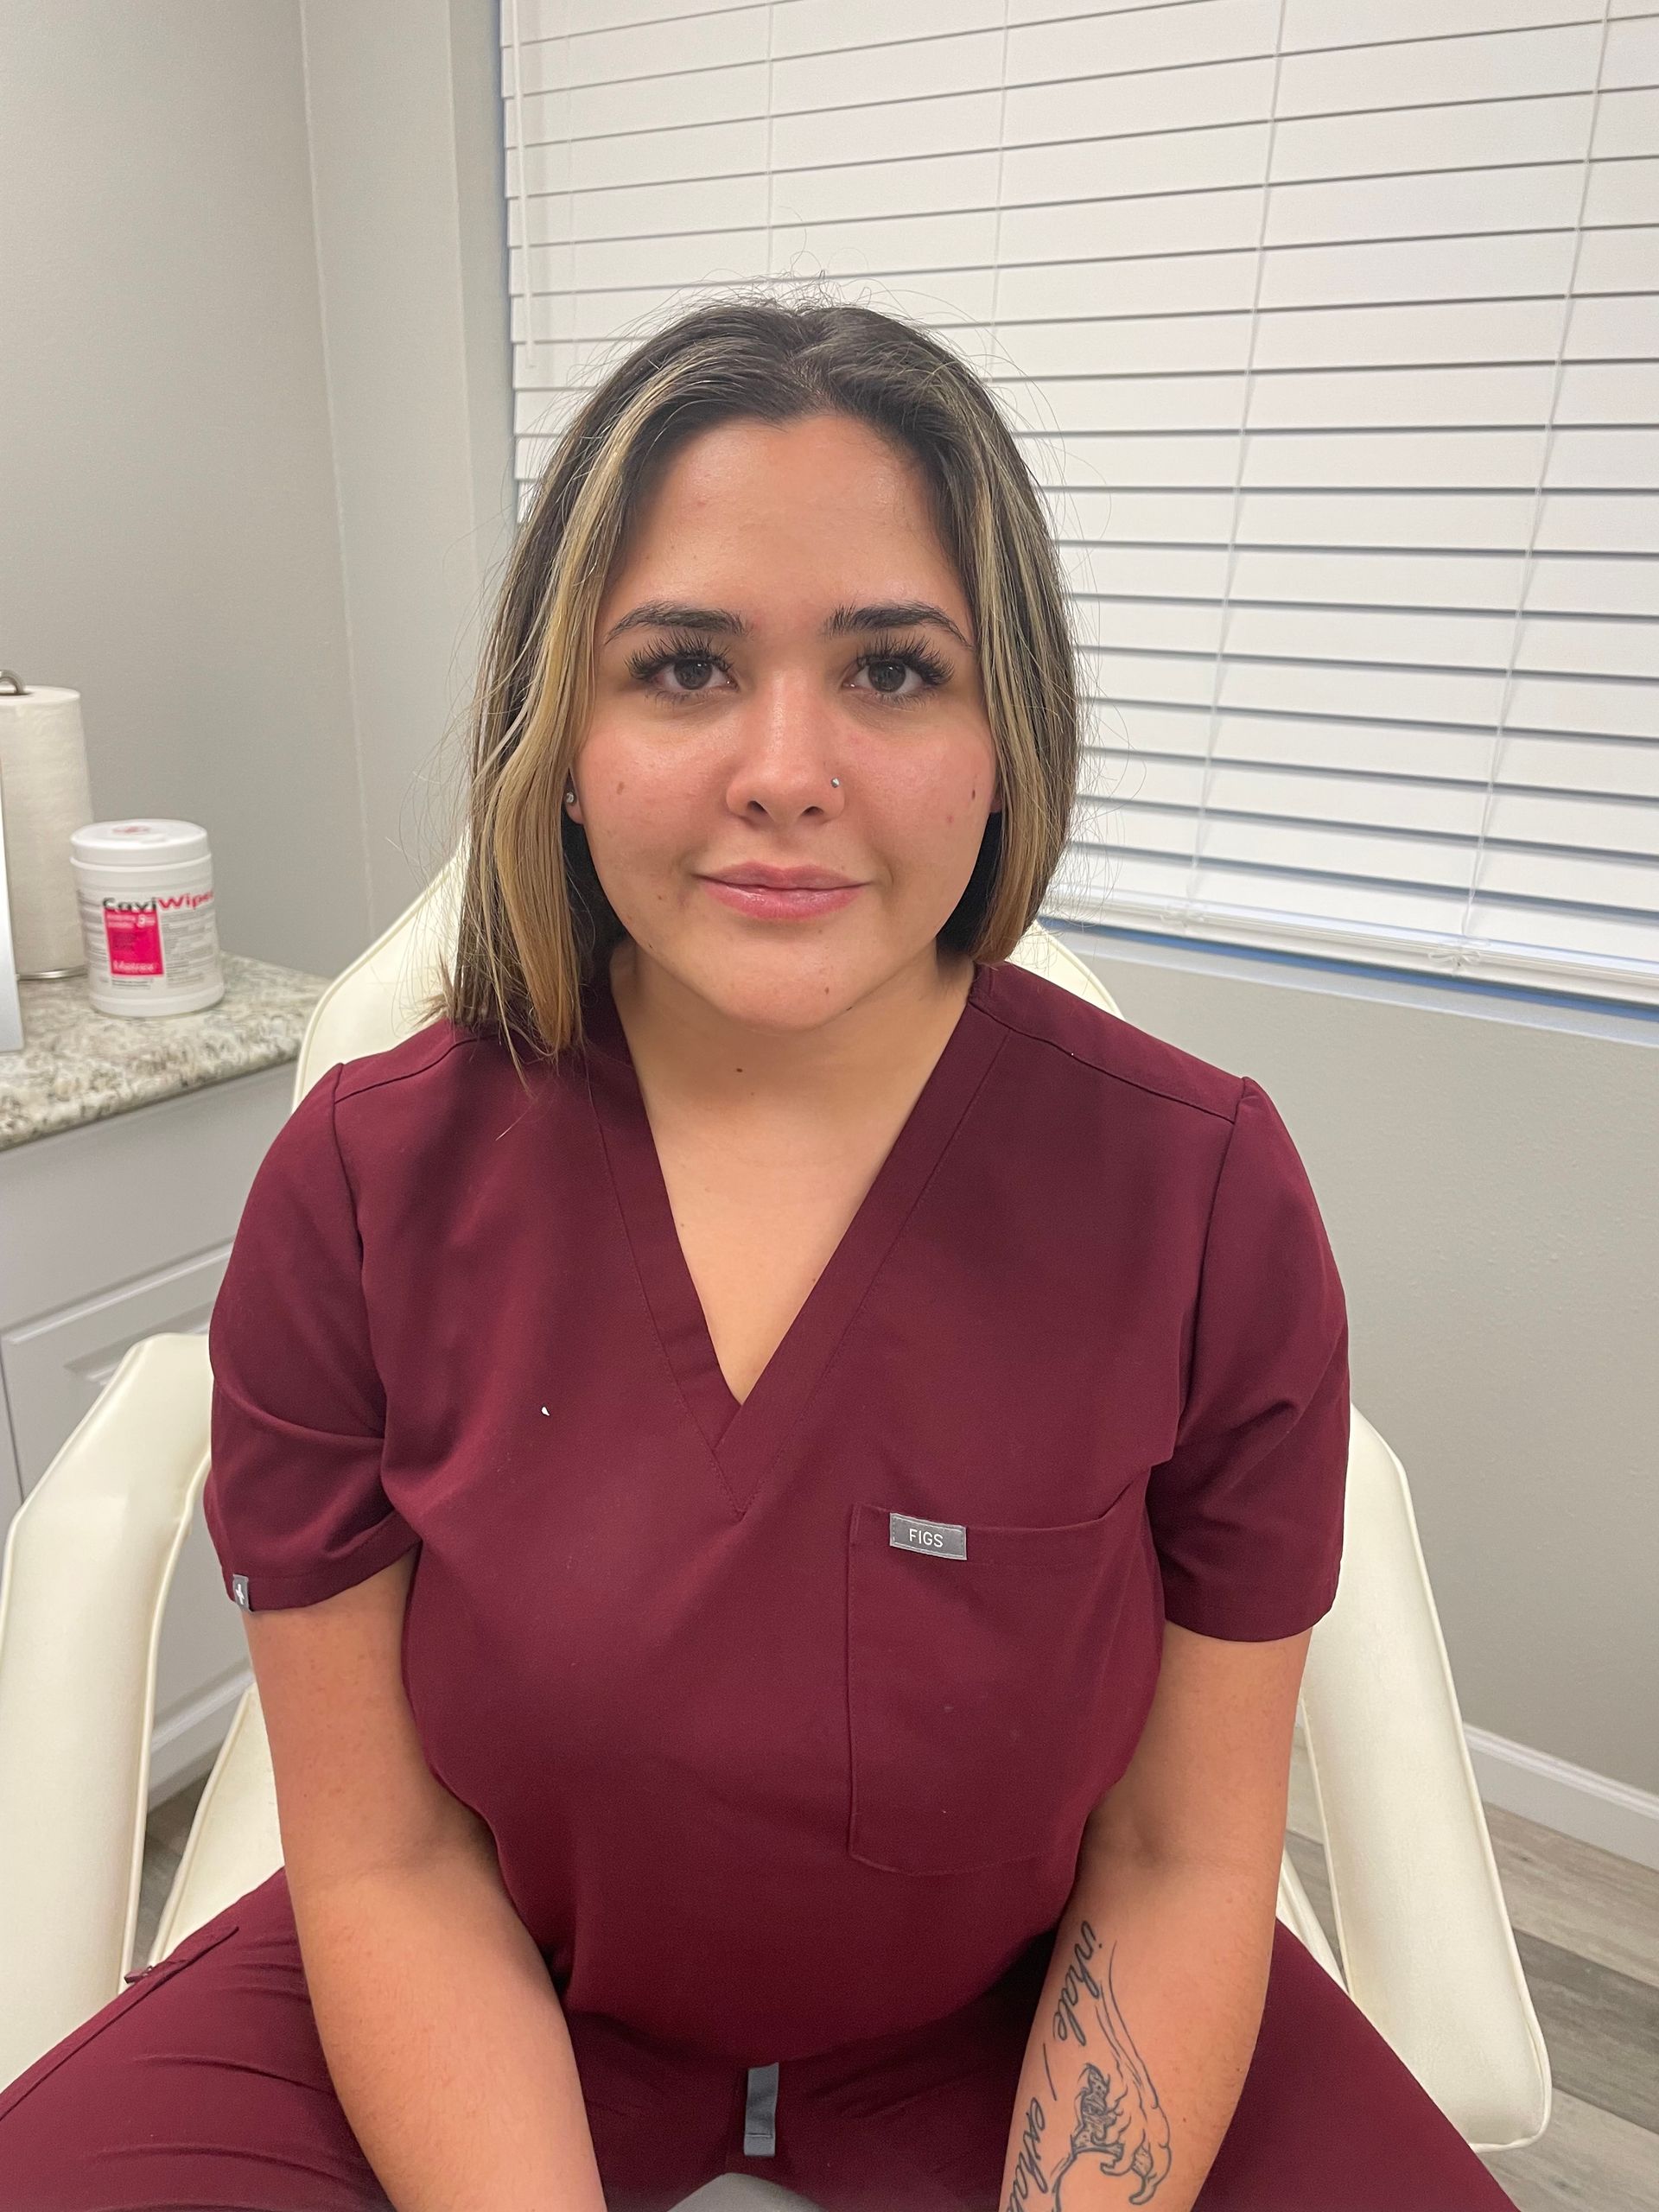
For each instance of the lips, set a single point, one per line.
(786, 902)
(804, 878)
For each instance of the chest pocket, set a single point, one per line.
(980, 1689)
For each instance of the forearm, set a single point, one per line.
(446, 2042)
(1142, 2035)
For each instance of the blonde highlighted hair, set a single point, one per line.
(533, 921)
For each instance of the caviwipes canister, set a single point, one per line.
(145, 887)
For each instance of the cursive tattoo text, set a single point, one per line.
(1117, 2123)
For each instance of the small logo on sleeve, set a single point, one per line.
(240, 1590)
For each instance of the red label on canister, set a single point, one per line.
(133, 937)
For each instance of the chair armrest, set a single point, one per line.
(88, 1561)
(235, 1838)
(1427, 1950)
(1295, 1909)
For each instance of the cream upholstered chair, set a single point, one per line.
(1426, 1947)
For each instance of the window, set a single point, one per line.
(1329, 327)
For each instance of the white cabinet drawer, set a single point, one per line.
(116, 1201)
(55, 1368)
(112, 1232)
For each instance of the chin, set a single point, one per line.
(783, 1005)
(785, 989)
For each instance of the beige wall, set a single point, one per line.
(256, 482)
(255, 423)
(1486, 1170)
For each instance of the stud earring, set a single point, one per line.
(836, 781)
(569, 794)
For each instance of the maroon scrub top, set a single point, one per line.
(786, 1715)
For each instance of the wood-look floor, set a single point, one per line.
(1586, 1926)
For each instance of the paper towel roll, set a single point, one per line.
(45, 793)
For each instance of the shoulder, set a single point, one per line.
(305, 1191)
(427, 1115)
(439, 1052)
(422, 1105)
(1106, 1054)
(1198, 1154)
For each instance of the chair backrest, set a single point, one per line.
(234, 1842)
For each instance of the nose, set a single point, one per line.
(790, 747)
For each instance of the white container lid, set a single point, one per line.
(145, 840)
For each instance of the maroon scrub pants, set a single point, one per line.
(203, 2085)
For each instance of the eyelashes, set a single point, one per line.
(684, 644)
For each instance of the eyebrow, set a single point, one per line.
(885, 614)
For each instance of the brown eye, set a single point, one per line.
(680, 652)
(889, 654)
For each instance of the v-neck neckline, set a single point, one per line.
(744, 1436)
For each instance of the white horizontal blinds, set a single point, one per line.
(1329, 327)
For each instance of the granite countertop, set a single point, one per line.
(78, 1065)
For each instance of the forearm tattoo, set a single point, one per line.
(1117, 2123)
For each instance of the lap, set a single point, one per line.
(204, 2085)
(1330, 2117)
(1329, 2120)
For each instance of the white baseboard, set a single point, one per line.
(1573, 1800)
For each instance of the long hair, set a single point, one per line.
(532, 920)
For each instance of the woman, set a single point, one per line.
(780, 1466)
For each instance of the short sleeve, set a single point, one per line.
(293, 1499)
(1246, 1513)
